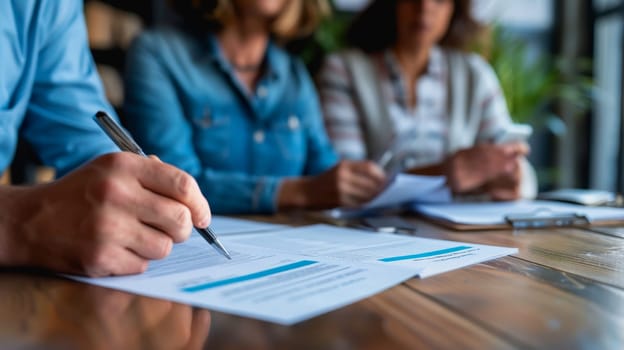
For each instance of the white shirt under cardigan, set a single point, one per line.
(459, 103)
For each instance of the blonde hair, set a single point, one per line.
(298, 18)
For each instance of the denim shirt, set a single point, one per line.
(185, 104)
(49, 88)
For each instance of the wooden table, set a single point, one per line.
(564, 290)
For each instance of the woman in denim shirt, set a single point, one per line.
(225, 103)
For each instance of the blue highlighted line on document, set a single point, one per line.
(426, 254)
(249, 277)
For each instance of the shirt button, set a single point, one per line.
(293, 122)
(258, 136)
(206, 119)
(262, 92)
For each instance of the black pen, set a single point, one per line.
(124, 141)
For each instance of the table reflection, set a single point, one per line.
(48, 312)
(39, 311)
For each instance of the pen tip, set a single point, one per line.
(222, 250)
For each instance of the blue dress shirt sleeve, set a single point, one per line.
(66, 91)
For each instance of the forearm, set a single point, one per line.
(293, 193)
(66, 91)
(346, 184)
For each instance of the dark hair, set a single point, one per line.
(375, 29)
(299, 18)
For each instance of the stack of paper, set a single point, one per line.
(289, 275)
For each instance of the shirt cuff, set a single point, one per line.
(264, 198)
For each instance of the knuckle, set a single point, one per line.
(184, 233)
(184, 183)
(140, 267)
(164, 247)
(338, 186)
(132, 266)
(108, 190)
(181, 216)
(183, 224)
(97, 262)
(342, 171)
(373, 171)
(118, 160)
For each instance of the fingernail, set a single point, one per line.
(204, 222)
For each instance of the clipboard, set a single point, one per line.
(518, 215)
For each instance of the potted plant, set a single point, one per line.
(535, 86)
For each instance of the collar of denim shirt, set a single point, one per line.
(275, 59)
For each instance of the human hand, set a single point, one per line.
(108, 217)
(348, 184)
(494, 167)
(505, 187)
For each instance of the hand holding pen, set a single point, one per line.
(123, 140)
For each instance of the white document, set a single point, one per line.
(268, 285)
(290, 275)
(406, 188)
(424, 257)
(494, 213)
(223, 225)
